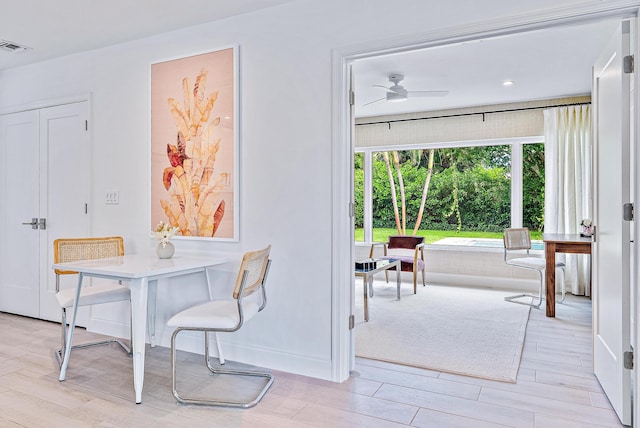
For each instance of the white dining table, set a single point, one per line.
(141, 272)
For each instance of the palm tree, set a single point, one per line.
(392, 184)
(416, 156)
(425, 190)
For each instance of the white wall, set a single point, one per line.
(285, 159)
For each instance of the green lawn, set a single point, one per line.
(431, 236)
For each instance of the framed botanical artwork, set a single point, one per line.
(194, 145)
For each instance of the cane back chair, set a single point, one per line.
(218, 316)
(517, 245)
(73, 249)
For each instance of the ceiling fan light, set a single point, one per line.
(396, 98)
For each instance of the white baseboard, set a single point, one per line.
(258, 356)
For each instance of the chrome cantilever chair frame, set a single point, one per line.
(239, 294)
(87, 250)
(529, 262)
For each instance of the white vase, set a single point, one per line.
(165, 252)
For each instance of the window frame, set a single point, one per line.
(517, 173)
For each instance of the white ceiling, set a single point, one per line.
(53, 28)
(543, 64)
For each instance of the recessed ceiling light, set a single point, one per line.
(508, 83)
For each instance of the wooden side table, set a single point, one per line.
(560, 243)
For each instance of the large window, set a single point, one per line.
(533, 186)
(464, 191)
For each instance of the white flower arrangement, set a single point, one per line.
(163, 232)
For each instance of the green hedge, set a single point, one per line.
(480, 178)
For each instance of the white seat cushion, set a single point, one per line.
(93, 295)
(213, 314)
(531, 262)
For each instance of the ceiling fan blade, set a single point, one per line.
(371, 102)
(428, 93)
(381, 86)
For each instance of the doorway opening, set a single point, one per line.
(350, 58)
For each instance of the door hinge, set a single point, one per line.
(86, 208)
(627, 211)
(628, 360)
(352, 98)
(628, 64)
(352, 322)
(352, 210)
(86, 125)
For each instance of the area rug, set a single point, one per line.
(466, 331)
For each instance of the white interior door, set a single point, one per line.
(611, 250)
(19, 246)
(64, 192)
(45, 175)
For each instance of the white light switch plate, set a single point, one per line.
(112, 197)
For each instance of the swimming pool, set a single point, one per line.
(479, 242)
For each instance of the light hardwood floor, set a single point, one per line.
(555, 387)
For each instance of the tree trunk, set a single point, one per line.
(396, 159)
(392, 185)
(425, 190)
(455, 208)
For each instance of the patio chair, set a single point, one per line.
(73, 249)
(219, 316)
(409, 250)
(517, 244)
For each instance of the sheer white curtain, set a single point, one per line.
(567, 132)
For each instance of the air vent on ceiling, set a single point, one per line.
(8, 46)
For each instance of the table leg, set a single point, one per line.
(398, 279)
(365, 283)
(67, 351)
(139, 294)
(151, 311)
(550, 277)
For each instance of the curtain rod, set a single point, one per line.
(389, 122)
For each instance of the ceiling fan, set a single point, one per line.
(397, 92)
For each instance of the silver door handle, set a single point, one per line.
(33, 224)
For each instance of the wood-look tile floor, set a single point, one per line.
(555, 387)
